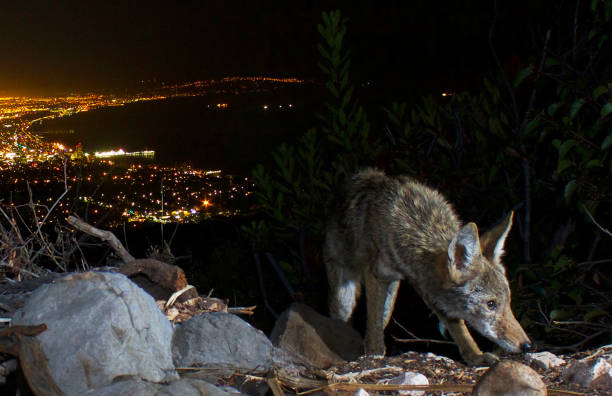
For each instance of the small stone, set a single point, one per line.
(544, 360)
(408, 378)
(510, 378)
(438, 358)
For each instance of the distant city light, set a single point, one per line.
(121, 152)
(107, 154)
(27, 154)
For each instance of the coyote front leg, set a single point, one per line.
(468, 348)
(380, 297)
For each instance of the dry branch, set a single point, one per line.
(35, 368)
(604, 230)
(242, 310)
(415, 338)
(106, 236)
(10, 337)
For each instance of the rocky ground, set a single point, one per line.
(441, 370)
(103, 335)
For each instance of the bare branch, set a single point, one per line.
(417, 339)
(605, 231)
(106, 236)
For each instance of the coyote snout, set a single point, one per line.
(388, 229)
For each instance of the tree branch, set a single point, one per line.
(106, 236)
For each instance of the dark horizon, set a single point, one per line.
(51, 49)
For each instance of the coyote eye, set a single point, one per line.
(492, 305)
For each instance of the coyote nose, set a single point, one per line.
(526, 347)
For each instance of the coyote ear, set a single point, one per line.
(494, 239)
(462, 254)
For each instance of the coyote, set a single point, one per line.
(387, 229)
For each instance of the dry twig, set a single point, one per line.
(604, 230)
(106, 236)
(415, 338)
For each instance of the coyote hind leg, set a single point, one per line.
(390, 302)
(344, 292)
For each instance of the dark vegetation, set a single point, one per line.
(536, 140)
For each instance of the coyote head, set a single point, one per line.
(479, 283)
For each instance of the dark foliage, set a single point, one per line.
(537, 141)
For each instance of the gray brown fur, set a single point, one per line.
(387, 229)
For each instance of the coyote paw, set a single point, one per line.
(482, 360)
(375, 349)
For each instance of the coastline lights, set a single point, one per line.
(108, 154)
(122, 152)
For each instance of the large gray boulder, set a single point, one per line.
(182, 387)
(221, 339)
(101, 328)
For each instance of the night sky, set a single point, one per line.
(58, 47)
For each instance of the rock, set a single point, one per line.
(182, 387)
(219, 339)
(510, 378)
(408, 378)
(593, 372)
(438, 358)
(361, 392)
(544, 360)
(314, 339)
(101, 327)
